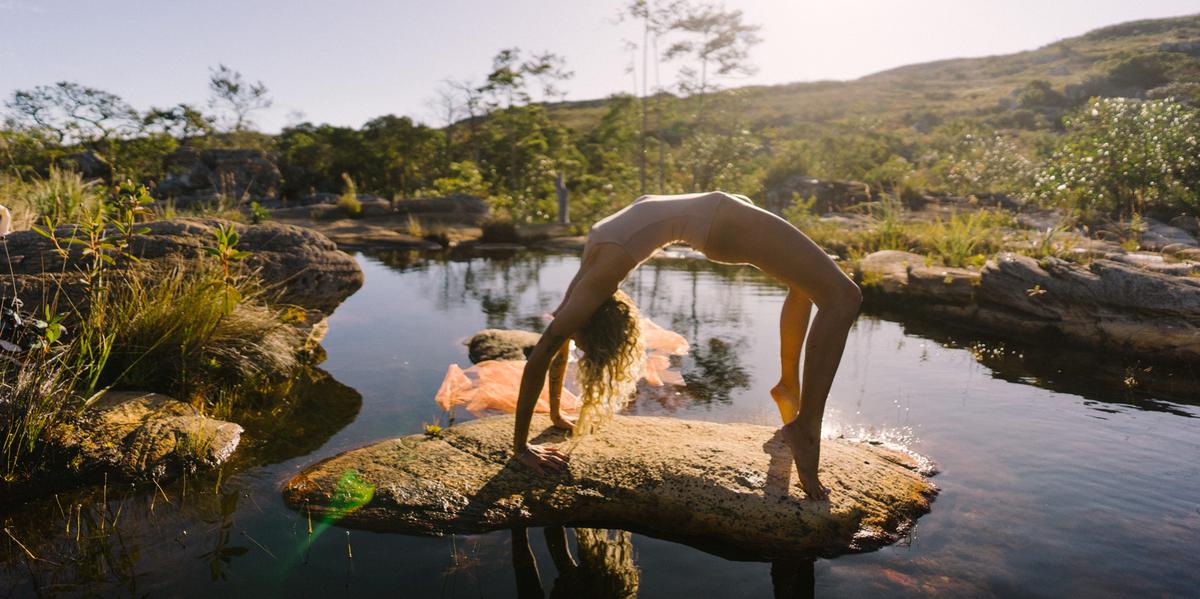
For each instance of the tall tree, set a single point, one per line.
(507, 90)
(77, 115)
(447, 106)
(657, 19)
(234, 98)
(182, 121)
(74, 113)
(717, 41)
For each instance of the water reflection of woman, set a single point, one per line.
(603, 321)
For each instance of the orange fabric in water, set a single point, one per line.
(493, 384)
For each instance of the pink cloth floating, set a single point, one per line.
(492, 385)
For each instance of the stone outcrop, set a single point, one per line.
(203, 174)
(501, 344)
(301, 266)
(831, 196)
(1123, 303)
(88, 164)
(135, 436)
(729, 484)
(467, 208)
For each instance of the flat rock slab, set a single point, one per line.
(137, 435)
(729, 485)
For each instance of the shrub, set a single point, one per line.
(980, 161)
(64, 196)
(499, 230)
(258, 214)
(464, 178)
(348, 201)
(1123, 157)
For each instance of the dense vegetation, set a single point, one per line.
(206, 333)
(1035, 125)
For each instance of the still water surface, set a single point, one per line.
(1051, 485)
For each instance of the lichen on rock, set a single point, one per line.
(703, 482)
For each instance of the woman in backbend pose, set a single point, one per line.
(603, 322)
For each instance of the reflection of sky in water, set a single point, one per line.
(1065, 488)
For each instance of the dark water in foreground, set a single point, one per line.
(1051, 484)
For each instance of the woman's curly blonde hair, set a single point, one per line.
(612, 362)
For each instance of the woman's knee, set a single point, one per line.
(843, 297)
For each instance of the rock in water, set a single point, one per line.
(501, 344)
(139, 435)
(729, 484)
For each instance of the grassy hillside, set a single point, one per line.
(986, 87)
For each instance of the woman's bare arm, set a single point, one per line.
(603, 273)
(558, 372)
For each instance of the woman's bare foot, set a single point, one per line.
(566, 423)
(806, 451)
(787, 400)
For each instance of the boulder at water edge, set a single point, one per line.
(501, 344)
(731, 485)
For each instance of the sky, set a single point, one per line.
(348, 61)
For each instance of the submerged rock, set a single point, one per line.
(702, 482)
(136, 435)
(501, 344)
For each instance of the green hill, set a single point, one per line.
(1139, 59)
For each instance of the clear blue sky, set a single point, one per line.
(345, 62)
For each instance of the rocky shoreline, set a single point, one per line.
(1107, 304)
(141, 434)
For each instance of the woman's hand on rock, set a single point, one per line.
(543, 460)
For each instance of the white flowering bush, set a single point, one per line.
(981, 162)
(1123, 157)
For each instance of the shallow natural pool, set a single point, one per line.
(1075, 491)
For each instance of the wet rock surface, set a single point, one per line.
(135, 436)
(732, 485)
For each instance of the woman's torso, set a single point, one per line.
(651, 222)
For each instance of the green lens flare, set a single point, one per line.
(350, 493)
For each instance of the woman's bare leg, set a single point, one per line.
(823, 353)
(747, 234)
(793, 327)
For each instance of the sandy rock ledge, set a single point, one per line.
(726, 485)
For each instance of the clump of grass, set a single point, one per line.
(192, 331)
(35, 395)
(348, 201)
(258, 214)
(61, 195)
(414, 227)
(965, 239)
(64, 195)
(887, 223)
